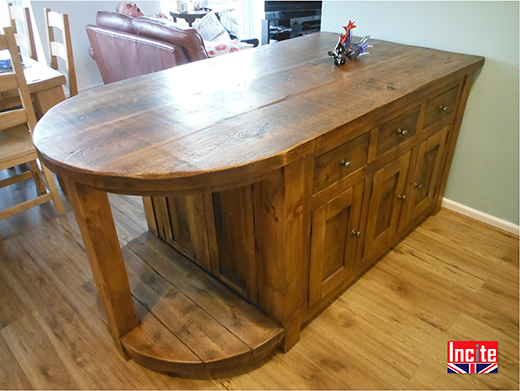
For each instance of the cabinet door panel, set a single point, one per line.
(426, 174)
(386, 203)
(335, 226)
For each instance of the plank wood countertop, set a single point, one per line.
(231, 120)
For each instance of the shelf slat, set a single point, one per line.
(191, 322)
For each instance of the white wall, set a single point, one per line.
(80, 14)
(485, 170)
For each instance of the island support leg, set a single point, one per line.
(94, 217)
(282, 230)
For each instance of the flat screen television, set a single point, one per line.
(272, 6)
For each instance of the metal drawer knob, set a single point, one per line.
(402, 132)
(401, 197)
(443, 108)
(355, 233)
(418, 185)
(345, 164)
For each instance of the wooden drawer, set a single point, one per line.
(440, 107)
(396, 131)
(341, 161)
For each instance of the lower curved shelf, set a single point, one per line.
(190, 322)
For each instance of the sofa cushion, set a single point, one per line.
(115, 21)
(219, 48)
(157, 29)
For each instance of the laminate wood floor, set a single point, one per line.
(451, 279)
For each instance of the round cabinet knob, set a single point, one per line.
(401, 197)
(418, 186)
(402, 132)
(355, 233)
(345, 163)
(443, 108)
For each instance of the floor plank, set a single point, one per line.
(36, 355)
(12, 376)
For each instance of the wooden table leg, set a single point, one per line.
(94, 217)
(45, 100)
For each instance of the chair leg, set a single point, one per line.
(51, 185)
(40, 186)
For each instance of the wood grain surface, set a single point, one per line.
(231, 120)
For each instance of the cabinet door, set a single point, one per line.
(335, 234)
(426, 174)
(386, 202)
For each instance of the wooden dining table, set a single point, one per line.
(271, 180)
(45, 85)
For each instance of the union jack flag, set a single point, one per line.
(472, 368)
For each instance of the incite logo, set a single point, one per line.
(472, 357)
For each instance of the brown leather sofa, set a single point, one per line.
(125, 47)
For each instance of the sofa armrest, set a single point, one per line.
(122, 56)
(189, 39)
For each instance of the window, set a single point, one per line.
(243, 16)
(4, 14)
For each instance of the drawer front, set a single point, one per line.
(440, 107)
(340, 162)
(396, 131)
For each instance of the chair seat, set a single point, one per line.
(16, 147)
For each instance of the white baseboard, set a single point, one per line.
(481, 216)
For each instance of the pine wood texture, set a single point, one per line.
(24, 38)
(171, 133)
(63, 50)
(16, 146)
(250, 185)
(335, 238)
(45, 85)
(212, 327)
(94, 218)
(452, 279)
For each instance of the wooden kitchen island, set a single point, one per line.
(271, 180)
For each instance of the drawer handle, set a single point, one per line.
(355, 233)
(401, 197)
(345, 164)
(443, 108)
(402, 132)
(418, 186)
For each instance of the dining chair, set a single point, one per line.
(63, 50)
(26, 39)
(16, 145)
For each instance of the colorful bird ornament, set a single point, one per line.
(346, 48)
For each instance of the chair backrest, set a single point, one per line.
(63, 50)
(11, 81)
(16, 144)
(23, 39)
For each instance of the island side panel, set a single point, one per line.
(259, 241)
(453, 135)
(232, 223)
(282, 237)
(181, 222)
